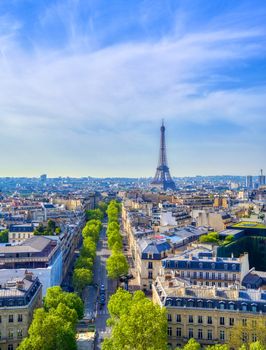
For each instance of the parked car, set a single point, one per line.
(102, 289)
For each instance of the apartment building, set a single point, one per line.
(39, 255)
(200, 266)
(20, 294)
(150, 252)
(19, 233)
(207, 313)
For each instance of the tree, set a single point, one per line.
(217, 347)
(94, 214)
(4, 236)
(89, 248)
(82, 278)
(66, 313)
(192, 344)
(211, 237)
(115, 237)
(137, 323)
(55, 295)
(116, 265)
(49, 331)
(246, 333)
(112, 226)
(83, 262)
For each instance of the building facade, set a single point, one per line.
(20, 294)
(208, 314)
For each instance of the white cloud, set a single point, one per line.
(75, 93)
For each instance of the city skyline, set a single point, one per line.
(84, 86)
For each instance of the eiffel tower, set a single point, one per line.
(162, 179)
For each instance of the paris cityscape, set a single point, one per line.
(132, 183)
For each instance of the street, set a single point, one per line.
(92, 308)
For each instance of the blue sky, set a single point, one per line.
(84, 85)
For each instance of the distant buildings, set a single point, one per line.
(262, 179)
(249, 182)
(20, 294)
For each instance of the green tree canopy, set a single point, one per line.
(4, 236)
(48, 331)
(89, 248)
(83, 262)
(138, 325)
(55, 295)
(114, 237)
(94, 214)
(81, 278)
(116, 265)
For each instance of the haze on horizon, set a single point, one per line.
(84, 86)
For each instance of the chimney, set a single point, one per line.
(20, 284)
(28, 275)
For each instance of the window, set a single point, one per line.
(10, 319)
(207, 275)
(244, 307)
(231, 306)
(169, 317)
(244, 322)
(194, 274)
(150, 265)
(254, 308)
(190, 319)
(10, 334)
(178, 318)
(209, 304)
(150, 275)
(233, 266)
(222, 321)
(200, 275)
(19, 333)
(213, 266)
(190, 333)
(254, 337)
(213, 276)
(221, 306)
(169, 331)
(199, 319)
(200, 333)
(20, 317)
(209, 321)
(178, 332)
(182, 273)
(200, 265)
(254, 323)
(234, 276)
(226, 276)
(221, 335)
(10, 347)
(149, 256)
(188, 273)
(219, 276)
(231, 321)
(209, 334)
(225, 266)
(200, 303)
(244, 337)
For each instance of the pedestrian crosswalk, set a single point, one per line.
(102, 312)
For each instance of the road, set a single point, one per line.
(100, 277)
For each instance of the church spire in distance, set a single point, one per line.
(162, 178)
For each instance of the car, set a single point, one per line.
(102, 289)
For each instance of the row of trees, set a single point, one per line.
(192, 344)
(54, 326)
(116, 264)
(136, 323)
(83, 272)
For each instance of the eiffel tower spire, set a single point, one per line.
(162, 178)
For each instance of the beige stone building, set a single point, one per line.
(207, 313)
(150, 252)
(19, 296)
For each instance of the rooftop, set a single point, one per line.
(249, 224)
